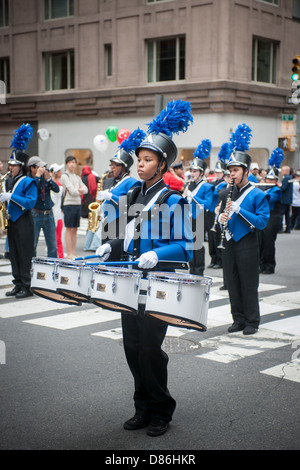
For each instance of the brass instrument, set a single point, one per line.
(231, 186)
(214, 227)
(95, 208)
(3, 209)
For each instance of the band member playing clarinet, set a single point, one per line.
(245, 212)
(143, 335)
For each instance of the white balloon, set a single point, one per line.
(100, 142)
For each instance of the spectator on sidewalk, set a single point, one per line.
(73, 189)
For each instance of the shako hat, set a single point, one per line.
(174, 118)
(127, 148)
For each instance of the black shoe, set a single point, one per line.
(211, 265)
(223, 288)
(249, 330)
(235, 327)
(137, 422)
(13, 292)
(217, 266)
(268, 271)
(23, 293)
(157, 427)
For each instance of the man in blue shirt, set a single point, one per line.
(42, 212)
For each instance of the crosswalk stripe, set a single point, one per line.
(29, 306)
(235, 346)
(67, 321)
(287, 371)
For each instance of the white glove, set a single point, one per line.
(235, 207)
(104, 251)
(148, 260)
(5, 197)
(189, 197)
(103, 195)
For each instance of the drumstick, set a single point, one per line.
(171, 264)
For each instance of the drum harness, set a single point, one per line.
(152, 213)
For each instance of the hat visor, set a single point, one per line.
(117, 160)
(151, 146)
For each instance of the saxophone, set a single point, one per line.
(95, 208)
(3, 209)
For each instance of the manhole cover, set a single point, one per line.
(175, 345)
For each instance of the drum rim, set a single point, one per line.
(69, 296)
(33, 289)
(117, 271)
(167, 277)
(129, 310)
(193, 322)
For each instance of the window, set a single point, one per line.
(264, 61)
(108, 60)
(166, 59)
(3, 13)
(5, 73)
(58, 9)
(274, 2)
(59, 70)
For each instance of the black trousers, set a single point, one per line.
(241, 270)
(21, 248)
(143, 336)
(267, 243)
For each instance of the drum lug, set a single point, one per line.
(149, 287)
(113, 286)
(178, 295)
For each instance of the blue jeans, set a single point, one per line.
(47, 223)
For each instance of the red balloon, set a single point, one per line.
(122, 134)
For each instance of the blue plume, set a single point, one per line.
(224, 153)
(22, 137)
(203, 150)
(133, 141)
(240, 139)
(276, 158)
(175, 118)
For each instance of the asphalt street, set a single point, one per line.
(65, 384)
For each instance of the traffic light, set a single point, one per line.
(296, 68)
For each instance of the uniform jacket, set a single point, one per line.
(204, 194)
(254, 212)
(274, 196)
(121, 188)
(24, 196)
(168, 233)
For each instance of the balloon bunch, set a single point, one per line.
(112, 134)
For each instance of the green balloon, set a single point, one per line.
(111, 133)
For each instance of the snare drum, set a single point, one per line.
(74, 280)
(116, 288)
(179, 299)
(44, 279)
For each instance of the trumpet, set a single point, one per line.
(95, 208)
(3, 210)
(228, 199)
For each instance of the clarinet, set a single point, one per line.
(228, 199)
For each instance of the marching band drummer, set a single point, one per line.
(245, 212)
(143, 335)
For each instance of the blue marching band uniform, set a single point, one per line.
(144, 238)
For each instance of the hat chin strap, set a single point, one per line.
(157, 171)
